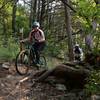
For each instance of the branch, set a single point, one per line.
(59, 40)
(68, 6)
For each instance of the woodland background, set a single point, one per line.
(64, 22)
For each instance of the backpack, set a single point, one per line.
(77, 51)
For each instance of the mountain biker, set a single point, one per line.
(36, 35)
(78, 53)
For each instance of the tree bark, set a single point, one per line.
(33, 13)
(35, 10)
(14, 16)
(42, 16)
(69, 31)
(68, 74)
(38, 12)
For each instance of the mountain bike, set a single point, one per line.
(27, 58)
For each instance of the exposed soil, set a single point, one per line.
(10, 89)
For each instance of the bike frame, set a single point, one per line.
(31, 54)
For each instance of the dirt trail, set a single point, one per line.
(11, 90)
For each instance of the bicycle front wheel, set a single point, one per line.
(22, 62)
(42, 62)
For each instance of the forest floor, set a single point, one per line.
(10, 89)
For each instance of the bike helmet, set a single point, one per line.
(35, 24)
(76, 45)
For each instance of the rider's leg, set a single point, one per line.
(38, 47)
(37, 56)
(77, 57)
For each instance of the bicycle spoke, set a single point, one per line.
(22, 62)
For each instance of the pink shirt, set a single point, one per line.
(38, 35)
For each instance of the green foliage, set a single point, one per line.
(93, 85)
(22, 18)
(88, 11)
(53, 50)
(54, 23)
(86, 18)
(87, 8)
(4, 54)
(13, 46)
(9, 51)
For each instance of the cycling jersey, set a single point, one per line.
(37, 35)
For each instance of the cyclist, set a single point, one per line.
(36, 35)
(78, 53)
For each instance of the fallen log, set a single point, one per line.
(72, 77)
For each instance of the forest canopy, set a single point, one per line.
(84, 21)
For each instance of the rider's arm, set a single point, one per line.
(81, 50)
(30, 36)
(25, 40)
(42, 36)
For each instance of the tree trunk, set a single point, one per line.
(38, 13)
(88, 43)
(33, 12)
(5, 42)
(47, 14)
(4, 27)
(69, 31)
(14, 16)
(42, 16)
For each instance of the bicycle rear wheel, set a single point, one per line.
(42, 62)
(22, 63)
